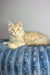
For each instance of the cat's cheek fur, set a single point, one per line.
(13, 33)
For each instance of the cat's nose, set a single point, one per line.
(15, 32)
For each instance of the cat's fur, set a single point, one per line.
(17, 37)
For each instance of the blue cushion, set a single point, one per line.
(24, 60)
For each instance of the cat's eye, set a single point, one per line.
(13, 29)
(18, 29)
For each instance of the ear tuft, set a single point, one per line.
(20, 23)
(10, 24)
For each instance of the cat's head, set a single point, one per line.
(15, 30)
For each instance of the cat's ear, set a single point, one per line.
(10, 24)
(20, 23)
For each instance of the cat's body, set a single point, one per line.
(35, 38)
(17, 37)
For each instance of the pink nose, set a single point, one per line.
(15, 32)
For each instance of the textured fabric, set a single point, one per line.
(24, 60)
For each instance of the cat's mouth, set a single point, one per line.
(14, 34)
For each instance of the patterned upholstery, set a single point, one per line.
(24, 60)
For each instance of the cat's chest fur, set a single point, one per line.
(16, 38)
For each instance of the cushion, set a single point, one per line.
(24, 60)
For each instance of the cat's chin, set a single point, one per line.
(15, 35)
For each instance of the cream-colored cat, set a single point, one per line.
(17, 36)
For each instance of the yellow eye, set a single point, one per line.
(13, 29)
(18, 29)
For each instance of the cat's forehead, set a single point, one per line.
(16, 26)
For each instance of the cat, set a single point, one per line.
(17, 36)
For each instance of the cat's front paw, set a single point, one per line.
(12, 45)
(4, 42)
